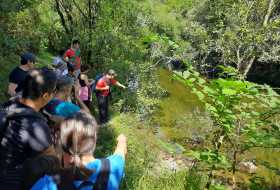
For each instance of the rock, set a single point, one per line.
(247, 166)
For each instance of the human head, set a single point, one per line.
(61, 52)
(28, 60)
(71, 69)
(64, 86)
(78, 135)
(111, 74)
(39, 86)
(83, 80)
(76, 44)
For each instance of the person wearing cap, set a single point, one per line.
(59, 105)
(103, 90)
(18, 74)
(73, 56)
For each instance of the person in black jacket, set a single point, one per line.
(18, 74)
(26, 133)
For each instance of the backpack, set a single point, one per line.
(96, 79)
(102, 178)
(6, 115)
(101, 182)
(3, 121)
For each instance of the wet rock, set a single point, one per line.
(196, 140)
(247, 166)
(176, 64)
(171, 163)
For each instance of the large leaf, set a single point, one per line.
(228, 91)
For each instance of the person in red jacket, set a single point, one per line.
(72, 56)
(103, 90)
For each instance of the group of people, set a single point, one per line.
(47, 132)
(73, 82)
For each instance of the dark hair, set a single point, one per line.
(75, 42)
(64, 82)
(70, 67)
(24, 58)
(78, 134)
(61, 52)
(39, 82)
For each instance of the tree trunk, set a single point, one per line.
(70, 19)
(62, 19)
(248, 67)
(90, 26)
(239, 59)
(269, 11)
(234, 168)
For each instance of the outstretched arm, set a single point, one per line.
(120, 85)
(121, 148)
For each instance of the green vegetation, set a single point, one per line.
(205, 128)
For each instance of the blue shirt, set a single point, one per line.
(116, 174)
(62, 108)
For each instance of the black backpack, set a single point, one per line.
(8, 113)
(4, 118)
(102, 178)
(101, 182)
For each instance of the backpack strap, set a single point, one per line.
(102, 179)
(97, 78)
(101, 182)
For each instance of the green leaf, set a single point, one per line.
(217, 187)
(196, 74)
(228, 91)
(200, 95)
(191, 80)
(186, 74)
(194, 154)
(201, 81)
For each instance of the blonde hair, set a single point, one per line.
(78, 135)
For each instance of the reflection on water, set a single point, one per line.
(183, 121)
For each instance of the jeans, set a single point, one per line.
(103, 107)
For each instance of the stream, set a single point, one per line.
(181, 121)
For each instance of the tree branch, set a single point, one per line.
(247, 69)
(69, 17)
(62, 19)
(269, 11)
(79, 9)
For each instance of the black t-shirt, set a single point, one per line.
(17, 76)
(26, 136)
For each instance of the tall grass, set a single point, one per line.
(143, 169)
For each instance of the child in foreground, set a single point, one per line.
(78, 140)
